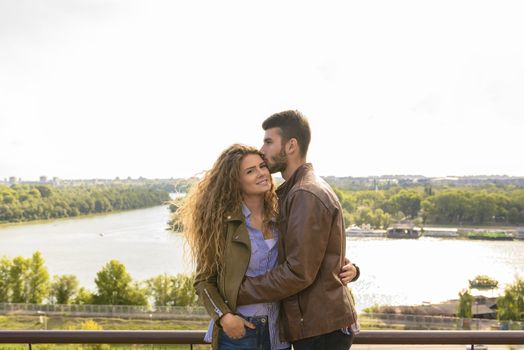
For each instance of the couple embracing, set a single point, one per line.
(271, 266)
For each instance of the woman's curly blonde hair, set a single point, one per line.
(202, 214)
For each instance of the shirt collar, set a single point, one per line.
(246, 211)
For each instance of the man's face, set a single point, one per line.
(272, 149)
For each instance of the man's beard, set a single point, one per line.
(279, 163)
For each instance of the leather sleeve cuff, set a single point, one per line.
(358, 273)
(218, 319)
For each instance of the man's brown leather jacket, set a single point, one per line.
(312, 248)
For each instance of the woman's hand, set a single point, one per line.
(235, 326)
(348, 272)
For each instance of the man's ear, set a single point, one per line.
(292, 146)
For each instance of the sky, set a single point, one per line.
(123, 88)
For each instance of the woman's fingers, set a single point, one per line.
(249, 324)
(233, 326)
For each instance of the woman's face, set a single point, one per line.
(255, 178)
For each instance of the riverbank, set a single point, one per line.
(83, 216)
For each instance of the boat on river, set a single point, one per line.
(491, 235)
(403, 230)
(355, 231)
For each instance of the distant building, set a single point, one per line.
(519, 234)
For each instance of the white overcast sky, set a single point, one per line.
(99, 89)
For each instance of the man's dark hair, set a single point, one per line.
(292, 124)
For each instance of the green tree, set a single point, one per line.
(407, 201)
(485, 207)
(137, 295)
(347, 201)
(450, 206)
(37, 279)
(5, 288)
(172, 290)
(102, 205)
(83, 297)
(465, 303)
(115, 286)
(364, 215)
(380, 219)
(182, 292)
(513, 215)
(159, 288)
(510, 306)
(64, 289)
(112, 283)
(45, 190)
(18, 275)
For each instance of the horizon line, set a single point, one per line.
(8, 180)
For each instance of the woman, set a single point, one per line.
(228, 220)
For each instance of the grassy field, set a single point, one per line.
(19, 322)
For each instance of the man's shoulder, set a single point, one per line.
(317, 187)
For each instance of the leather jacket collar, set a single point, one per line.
(284, 189)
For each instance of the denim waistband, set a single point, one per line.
(256, 319)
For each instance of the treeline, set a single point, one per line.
(34, 202)
(26, 280)
(387, 182)
(458, 206)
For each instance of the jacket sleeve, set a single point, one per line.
(306, 238)
(207, 290)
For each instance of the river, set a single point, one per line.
(394, 272)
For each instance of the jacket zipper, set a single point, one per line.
(217, 310)
(223, 270)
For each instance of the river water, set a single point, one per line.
(394, 272)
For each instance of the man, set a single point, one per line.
(317, 310)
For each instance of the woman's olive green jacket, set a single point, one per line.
(219, 290)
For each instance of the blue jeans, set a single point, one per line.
(254, 339)
(336, 340)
